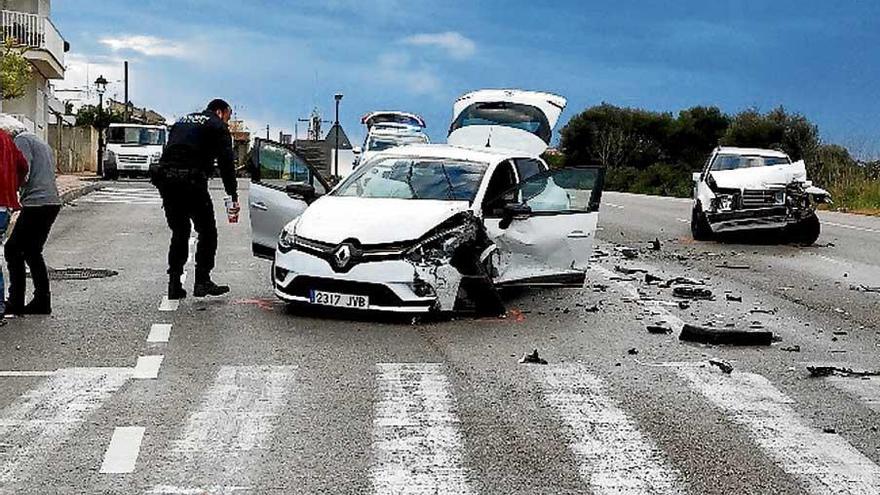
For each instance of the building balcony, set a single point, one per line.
(45, 45)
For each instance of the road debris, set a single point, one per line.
(592, 309)
(733, 266)
(732, 298)
(865, 288)
(659, 329)
(682, 281)
(763, 311)
(629, 271)
(652, 279)
(691, 293)
(633, 351)
(823, 371)
(628, 252)
(655, 244)
(724, 366)
(793, 348)
(725, 336)
(532, 358)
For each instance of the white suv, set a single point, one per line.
(743, 189)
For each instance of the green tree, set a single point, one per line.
(15, 70)
(89, 115)
(777, 129)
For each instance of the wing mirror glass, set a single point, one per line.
(357, 150)
(696, 176)
(304, 191)
(514, 211)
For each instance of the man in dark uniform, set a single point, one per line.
(195, 142)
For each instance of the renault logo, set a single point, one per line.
(342, 255)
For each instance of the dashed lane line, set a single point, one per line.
(613, 456)
(417, 446)
(823, 463)
(168, 305)
(26, 374)
(619, 207)
(159, 333)
(147, 367)
(123, 451)
(852, 227)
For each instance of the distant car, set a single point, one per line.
(131, 148)
(387, 129)
(742, 189)
(430, 227)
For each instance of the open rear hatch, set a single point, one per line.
(392, 117)
(506, 118)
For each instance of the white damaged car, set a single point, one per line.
(743, 189)
(436, 227)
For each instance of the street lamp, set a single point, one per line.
(338, 98)
(100, 87)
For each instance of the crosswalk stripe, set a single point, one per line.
(122, 453)
(823, 463)
(135, 196)
(219, 443)
(39, 421)
(613, 455)
(416, 443)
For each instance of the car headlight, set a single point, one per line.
(155, 157)
(287, 239)
(724, 202)
(441, 244)
(779, 197)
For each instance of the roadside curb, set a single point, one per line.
(68, 196)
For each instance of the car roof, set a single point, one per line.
(733, 150)
(147, 126)
(488, 155)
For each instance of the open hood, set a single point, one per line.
(761, 177)
(333, 219)
(505, 118)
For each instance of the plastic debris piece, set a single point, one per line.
(532, 358)
(724, 366)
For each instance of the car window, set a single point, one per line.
(136, 135)
(735, 162)
(516, 115)
(279, 166)
(381, 143)
(414, 178)
(567, 190)
(502, 180)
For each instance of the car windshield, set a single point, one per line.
(516, 115)
(136, 135)
(735, 162)
(380, 143)
(415, 178)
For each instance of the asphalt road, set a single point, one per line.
(247, 398)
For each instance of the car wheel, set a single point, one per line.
(806, 231)
(700, 228)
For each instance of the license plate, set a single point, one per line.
(339, 300)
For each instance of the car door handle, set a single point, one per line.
(260, 206)
(578, 234)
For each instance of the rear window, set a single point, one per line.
(735, 162)
(516, 115)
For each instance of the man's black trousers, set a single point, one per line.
(25, 245)
(189, 205)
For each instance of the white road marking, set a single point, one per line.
(683, 220)
(133, 196)
(865, 390)
(25, 374)
(853, 227)
(122, 453)
(657, 307)
(219, 446)
(168, 304)
(147, 367)
(208, 490)
(613, 205)
(35, 425)
(613, 456)
(416, 443)
(159, 333)
(822, 463)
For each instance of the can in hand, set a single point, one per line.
(232, 209)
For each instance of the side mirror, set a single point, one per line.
(304, 191)
(514, 211)
(357, 150)
(696, 176)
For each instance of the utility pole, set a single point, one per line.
(126, 115)
(338, 98)
(267, 132)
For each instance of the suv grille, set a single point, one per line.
(758, 198)
(132, 158)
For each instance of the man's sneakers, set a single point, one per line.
(175, 289)
(209, 288)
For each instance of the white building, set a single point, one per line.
(28, 22)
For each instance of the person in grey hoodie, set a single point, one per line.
(41, 204)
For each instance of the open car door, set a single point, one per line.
(283, 184)
(544, 227)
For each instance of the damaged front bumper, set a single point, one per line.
(763, 218)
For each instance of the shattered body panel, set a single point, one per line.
(759, 197)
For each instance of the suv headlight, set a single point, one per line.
(287, 239)
(724, 202)
(779, 197)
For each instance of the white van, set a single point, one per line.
(131, 148)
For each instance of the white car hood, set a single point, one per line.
(334, 219)
(761, 177)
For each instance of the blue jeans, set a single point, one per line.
(4, 224)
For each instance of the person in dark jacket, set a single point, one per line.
(13, 173)
(195, 142)
(41, 204)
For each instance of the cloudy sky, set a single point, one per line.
(275, 60)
